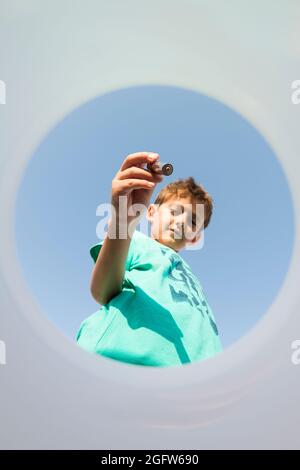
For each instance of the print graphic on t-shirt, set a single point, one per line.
(179, 272)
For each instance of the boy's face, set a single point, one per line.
(177, 222)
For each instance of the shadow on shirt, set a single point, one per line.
(156, 318)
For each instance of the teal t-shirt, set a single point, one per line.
(160, 318)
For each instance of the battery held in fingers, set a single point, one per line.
(161, 168)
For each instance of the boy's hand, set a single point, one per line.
(134, 182)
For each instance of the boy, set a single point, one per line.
(154, 312)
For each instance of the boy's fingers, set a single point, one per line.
(136, 172)
(136, 184)
(137, 158)
(158, 177)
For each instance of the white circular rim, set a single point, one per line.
(235, 358)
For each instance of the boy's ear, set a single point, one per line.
(150, 212)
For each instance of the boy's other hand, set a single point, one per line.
(135, 183)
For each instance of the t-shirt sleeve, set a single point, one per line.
(95, 250)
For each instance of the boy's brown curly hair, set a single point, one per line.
(187, 188)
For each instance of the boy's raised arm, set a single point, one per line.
(108, 272)
(136, 184)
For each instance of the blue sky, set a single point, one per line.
(248, 244)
